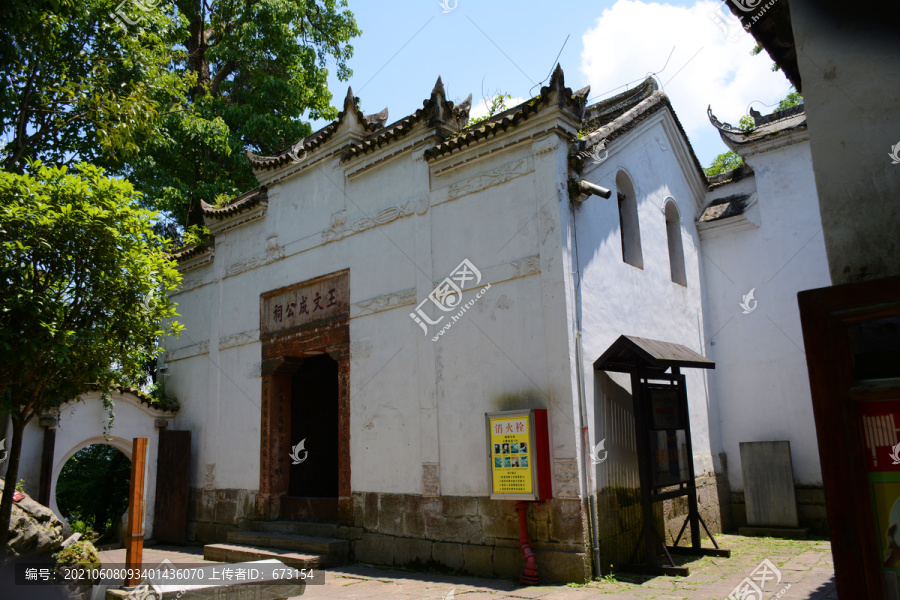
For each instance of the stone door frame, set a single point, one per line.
(281, 356)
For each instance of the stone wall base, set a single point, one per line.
(620, 519)
(474, 535)
(505, 561)
(675, 511)
(461, 534)
(810, 509)
(213, 513)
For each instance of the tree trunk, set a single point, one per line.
(9, 487)
(195, 213)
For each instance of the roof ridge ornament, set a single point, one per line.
(377, 120)
(719, 124)
(350, 101)
(438, 88)
(462, 110)
(573, 102)
(558, 78)
(437, 106)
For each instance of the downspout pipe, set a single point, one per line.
(583, 190)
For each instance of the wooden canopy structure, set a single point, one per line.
(663, 432)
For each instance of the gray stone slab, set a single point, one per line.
(258, 580)
(769, 491)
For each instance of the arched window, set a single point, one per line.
(629, 228)
(676, 249)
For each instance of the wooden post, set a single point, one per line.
(134, 542)
(49, 423)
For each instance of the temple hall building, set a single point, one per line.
(361, 323)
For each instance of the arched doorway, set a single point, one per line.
(92, 490)
(79, 424)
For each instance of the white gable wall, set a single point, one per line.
(618, 298)
(760, 377)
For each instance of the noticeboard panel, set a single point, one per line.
(669, 457)
(512, 456)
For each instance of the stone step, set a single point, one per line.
(324, 530)
(333, 548)
(233, 553)
(266, 586)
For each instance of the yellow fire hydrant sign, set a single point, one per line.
(511, 454)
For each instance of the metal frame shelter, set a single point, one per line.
(663, 432)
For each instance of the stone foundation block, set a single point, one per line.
(508, 562)
(500, 527)
(412, 553)
(449, 555)
(453, 529)
(374, 549)
(563, 567)
(566, 524)
(477, 561)
(414, 525)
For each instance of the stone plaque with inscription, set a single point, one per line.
(320, 299)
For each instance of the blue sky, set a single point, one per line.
(702, 57)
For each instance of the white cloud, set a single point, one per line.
(633, 38)
(481, 106)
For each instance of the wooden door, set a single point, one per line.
(173, 471)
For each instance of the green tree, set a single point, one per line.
(83, 282)
(256, 68)
(498, 105)
(92, 489)
(173, 100)
(792, 99)
(727, 161)
(76, 86)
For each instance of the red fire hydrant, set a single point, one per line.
(530, 573)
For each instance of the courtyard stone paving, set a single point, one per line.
(804, 565)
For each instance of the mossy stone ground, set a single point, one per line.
(805, 565)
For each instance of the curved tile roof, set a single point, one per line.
(240, 203)
(191, 251)
(768, 126)
(316, 139)
(435, 110)
(574, 102)
(616, 116)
